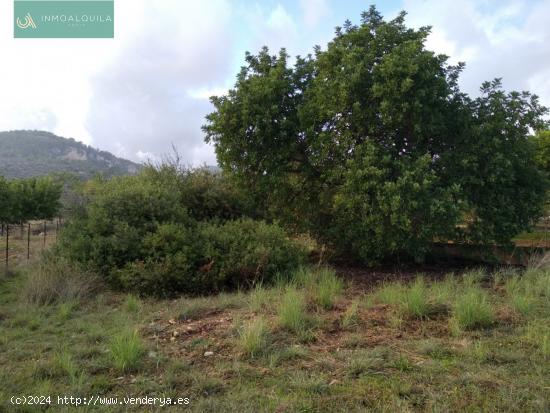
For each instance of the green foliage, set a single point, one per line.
(472, 310)
(26, 199)
(386, 207)
(149, 234)
(209, 258)
(542, 148)
(246, 251)
(253, 337)
(132, 304)
(371, 146)
(416, 302)
(292, 311)
(328, 288)
(127, 350)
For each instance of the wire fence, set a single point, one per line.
(20, 242)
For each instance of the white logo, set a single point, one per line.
(26, 22)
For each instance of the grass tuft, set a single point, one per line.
(292, 310)
(472, 310)
(127, 351)
(329, 288)
(415, 302)
(391, 293)
(132, 304)
(351, 316)
(253, 337)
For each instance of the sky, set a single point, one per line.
(147, 89)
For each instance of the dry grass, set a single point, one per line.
(52, 280)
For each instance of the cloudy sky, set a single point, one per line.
(148, 88)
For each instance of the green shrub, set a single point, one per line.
(292, 311)
(472, 310)
(246, 251)
(253, 337)
(127, 350)
(166, 231)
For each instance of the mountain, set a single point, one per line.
(25, 153)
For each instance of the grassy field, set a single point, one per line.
(464, 342)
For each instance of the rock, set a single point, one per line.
(175, 333)
(208, 353)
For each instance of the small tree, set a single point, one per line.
(25, 199)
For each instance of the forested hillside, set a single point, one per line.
(27, 153)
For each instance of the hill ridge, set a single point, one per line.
(26, 153)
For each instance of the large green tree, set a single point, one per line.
(371, 145)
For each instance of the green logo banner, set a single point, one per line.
(63, 19)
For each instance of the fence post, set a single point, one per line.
(7, 245)
(28, 240)
(45, 229)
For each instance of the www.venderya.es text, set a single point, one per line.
(96, 400)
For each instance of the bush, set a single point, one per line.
(165, 231)
(472, 310)
(246, 251)
(53, 280)
(210, 258)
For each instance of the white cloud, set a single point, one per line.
(137, 94)
(508, 39)
(148, 97)
(314, 11)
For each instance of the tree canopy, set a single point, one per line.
(26, 199)
(372, 146)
